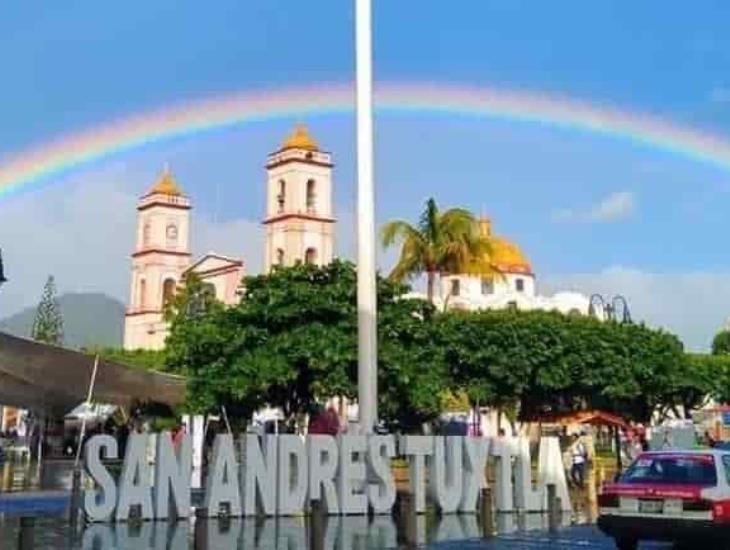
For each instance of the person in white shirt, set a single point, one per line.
(578, 453)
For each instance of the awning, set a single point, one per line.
(593, 418)
(54, 380)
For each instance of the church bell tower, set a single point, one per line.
(299, 222)
(161, 255)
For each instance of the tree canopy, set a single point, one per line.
(721, 343)
(291, 342)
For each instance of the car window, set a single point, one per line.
(672, 468)
(726, 465)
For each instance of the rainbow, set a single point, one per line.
(73, 150)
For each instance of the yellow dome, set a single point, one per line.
(506, 256)
(300, 139)
(166, 185)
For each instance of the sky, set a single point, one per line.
(593, 213)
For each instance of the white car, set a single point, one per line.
(678, 496)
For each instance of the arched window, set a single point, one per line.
(487, 286)
(279, 256)
(168, 290)
(520, 285)
(310, 256)
(142, 294)
(171, 235)
(281, 197)
(455, 287)
(146, 230)
(311, 196)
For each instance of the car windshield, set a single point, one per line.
(672, 468)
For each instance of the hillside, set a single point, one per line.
(89, 320)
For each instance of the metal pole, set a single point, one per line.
(367, 373)
(89, 395)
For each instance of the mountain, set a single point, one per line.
(89, 320)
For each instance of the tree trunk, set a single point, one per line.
(430, 284)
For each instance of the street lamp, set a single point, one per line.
(609, 309)
(2, 271)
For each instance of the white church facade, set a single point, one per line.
(299, 224)
(512, 286)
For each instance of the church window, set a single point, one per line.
(310, 256)
(311, 196)
(142, 294)
(520, 285)
(168, 291)
(487, 286)
(171, 234)
(279, 256)
(455, 287)
(281, 197)
(146, 230)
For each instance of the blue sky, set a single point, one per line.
(592, 213)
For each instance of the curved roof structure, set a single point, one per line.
(54, 380)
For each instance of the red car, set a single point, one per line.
(678, 496)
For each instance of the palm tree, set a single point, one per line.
(441, 242)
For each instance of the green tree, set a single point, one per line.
(440, 242)
(48, 321)
(721, 343)
(291, 342)
(544, 362)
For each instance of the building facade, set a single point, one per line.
(512, 286)
(299, 227)
(299, 221)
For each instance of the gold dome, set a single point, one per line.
(166, 185)
(506, 256)
(300, 139)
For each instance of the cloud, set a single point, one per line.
(614, 207)
(693, 305)
(719, 94)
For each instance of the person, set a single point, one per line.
(579, 454)
(178, 435)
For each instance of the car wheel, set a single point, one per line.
(627, 544)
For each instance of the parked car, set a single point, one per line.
(676, 496)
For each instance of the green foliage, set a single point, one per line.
(48, 322)
(548, 362)
(721, 343)
(144, 359)
(291, 342)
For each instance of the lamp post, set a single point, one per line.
(608, 310)
(367, 359)
(2, 270)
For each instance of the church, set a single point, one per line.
(299, 225)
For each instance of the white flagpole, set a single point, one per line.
(367, 371)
